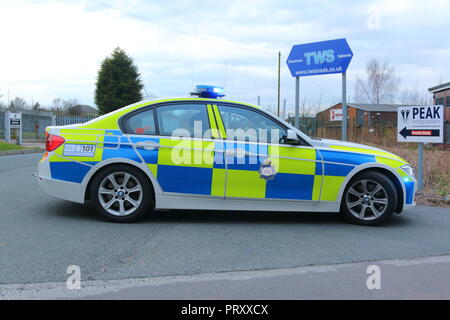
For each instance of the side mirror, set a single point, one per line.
(292, 137)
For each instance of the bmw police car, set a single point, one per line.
(212, 154)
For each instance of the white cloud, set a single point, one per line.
(53, 49)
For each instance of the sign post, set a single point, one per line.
(13, 121)
(324, 57)
(422, 124)
(344, 107)
(297, 102)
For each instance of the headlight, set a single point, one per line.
(408, 169)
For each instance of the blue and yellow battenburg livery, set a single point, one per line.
(196, 173)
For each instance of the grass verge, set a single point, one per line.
(436, 172)
(9, 146)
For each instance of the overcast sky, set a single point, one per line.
(53, 49)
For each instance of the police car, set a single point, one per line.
(212, 154)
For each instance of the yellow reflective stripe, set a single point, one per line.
(223, 133)
(390, 162)
(186, 153)
(245, 184)
(369, 151)
(218, 182)
(154, 169)
(317, 188)
(212, 122)
(331, 188)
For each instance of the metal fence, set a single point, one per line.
(66, 120)
(35, 122)
(382, 132)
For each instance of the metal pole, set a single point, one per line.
(344, 106)
(7, 128)
(19, 130)
(279, 83)
(284, 109)
(297, 102)
(420, 167)
(259, 101)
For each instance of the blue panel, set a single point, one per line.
(69, 171)
(319, 170)
(290, 186)
(409, 186)
(125, 151)
(185, 179)
(332, 169)
(149, 156)
(318, 156)
(347, 157)
(219, 158)
(110, 141)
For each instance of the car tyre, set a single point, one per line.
(369, 199)
(121, 193)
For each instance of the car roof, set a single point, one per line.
(210, 100)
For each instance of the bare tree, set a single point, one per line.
(381, 85)
(69, 103)
(17, 104)
(414, 97)
(61, 106)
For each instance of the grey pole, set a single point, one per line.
(279, 83)
(259, 101)
(344, 106)
(19, 133)
(284, 109)
(420, 167)
(7, 128)
(297, 102)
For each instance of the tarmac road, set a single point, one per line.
(41, 236)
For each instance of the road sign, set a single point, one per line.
(420, 124)
(15, 120)
(324, 57)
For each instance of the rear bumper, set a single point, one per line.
(57, 188)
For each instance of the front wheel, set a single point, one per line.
(369, 199)
(121, 193)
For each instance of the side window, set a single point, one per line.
(248, 125)
(141, 123)
(183, 120)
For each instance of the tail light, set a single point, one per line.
(52, 142)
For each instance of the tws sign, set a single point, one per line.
(324, 57)
(316, 58)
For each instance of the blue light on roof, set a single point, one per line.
(203, 91)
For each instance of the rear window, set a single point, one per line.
(141, 123)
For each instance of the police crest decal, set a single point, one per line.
(267, 171)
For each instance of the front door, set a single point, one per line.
(260, 165)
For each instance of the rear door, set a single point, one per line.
(177, 142)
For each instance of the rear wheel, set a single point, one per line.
(121, 193)
(369, 199)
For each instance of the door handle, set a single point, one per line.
(147, 145)
(239, 153)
